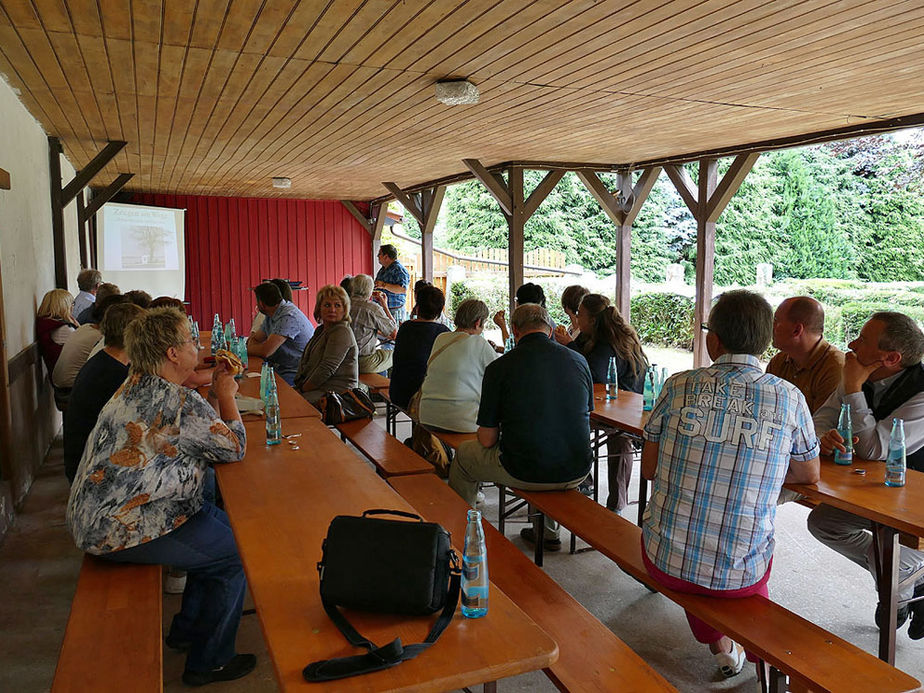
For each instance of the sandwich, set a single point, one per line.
(235, 365)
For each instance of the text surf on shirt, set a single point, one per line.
(720, 413)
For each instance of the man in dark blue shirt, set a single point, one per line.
(533, 420)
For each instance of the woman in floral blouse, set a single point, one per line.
(137, 496)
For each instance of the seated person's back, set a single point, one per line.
(77, 351)
(96, 383)
(413, 346)
(451, 391)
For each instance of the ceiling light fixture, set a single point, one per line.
(283, 183)
(456, 92)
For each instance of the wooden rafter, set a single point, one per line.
(424, 206)
(359, 216)
(706, 202)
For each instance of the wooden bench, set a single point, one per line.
(113, 639)
(375, 382)
(590, 656)
(389, 455)
(813, 658)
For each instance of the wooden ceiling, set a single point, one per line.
(217, 96)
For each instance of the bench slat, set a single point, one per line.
(374, 381)
(113, 638)
(811, 655)
(591, 657)
(390, 456)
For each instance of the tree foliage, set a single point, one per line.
(848, 210)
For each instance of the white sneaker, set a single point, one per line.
(731, 663)
(175, 583)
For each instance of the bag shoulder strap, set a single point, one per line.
(449, 343)
(377, 658)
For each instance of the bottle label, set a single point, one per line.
(471, 570)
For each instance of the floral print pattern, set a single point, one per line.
(142, 472)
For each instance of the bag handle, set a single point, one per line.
(458, 336)
(387, 656)
(382, 511)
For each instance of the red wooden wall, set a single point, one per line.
(233, 243)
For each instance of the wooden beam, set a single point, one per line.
(640, 192)
(705, 260)
(515, 241)
(101, 197)
(684, 185)
(494, 183)
(430, 202)
(410, 202)
(88, 172)
(542, 191)
(729, 185)
(379, 214)
(82, 231)
(57, 212)
(4, 180)
(604, 197)
(352, 209)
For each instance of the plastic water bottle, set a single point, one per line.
(612, 378)
(194, 333)
(230, 332)
(896, 464)
(218, 336)
(265, 377)
(662, 380)
(273, 422)
(474, 569)
(845, 429)
(509, 344)
(648, 395)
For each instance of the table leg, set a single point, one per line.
(886, 552)
(642, 497)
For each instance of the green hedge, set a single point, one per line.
(494, 292)
(664, 320)
(843, 323)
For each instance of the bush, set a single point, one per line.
(494, 292)
(664, 320)
(844, 323)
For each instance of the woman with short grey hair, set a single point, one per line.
(371, 321)
(451, 391)
(138, 494)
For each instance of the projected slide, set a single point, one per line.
(142, 247)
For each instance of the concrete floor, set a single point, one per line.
(39, 567)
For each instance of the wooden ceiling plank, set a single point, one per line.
(19, 14)
(122, 71)
(758, 45)
(52, 15)
(267, 28)
(450, 37)
(298, 29)
(72, 60)
(172, 61)
(339, 84)
(177, 22)
(323, 30)
(406, 24)
(85, 17)
(115, 17)
(41, 52)
(208, 23)
(194, 74)
(364, 21)
(239, 22)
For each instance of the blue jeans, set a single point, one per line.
(204, 547)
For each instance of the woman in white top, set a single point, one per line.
(451, 392)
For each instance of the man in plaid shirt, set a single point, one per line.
(720, 442)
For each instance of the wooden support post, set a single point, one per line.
(424, 206)
(82, 231)
(6, 408)
(57, 212)
(381, 213)
(516, 210)
(101, 197)
(706, 202)
(622, 212)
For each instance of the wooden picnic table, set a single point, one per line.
(889, 509)
(624, 412)
(280, 502)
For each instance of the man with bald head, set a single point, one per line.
(805, 359)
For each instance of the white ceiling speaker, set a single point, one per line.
(456, 92)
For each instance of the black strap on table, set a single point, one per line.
(377, 658)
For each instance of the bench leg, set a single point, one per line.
(490, 687)
(642, 497)
(539, 527)
(502, 506)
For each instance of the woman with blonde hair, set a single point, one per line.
(605, 334)
(54, 324)
(330, 361)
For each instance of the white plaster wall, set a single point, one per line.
(26, 246)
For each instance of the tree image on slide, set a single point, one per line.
(146, 247)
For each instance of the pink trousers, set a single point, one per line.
(702, 631)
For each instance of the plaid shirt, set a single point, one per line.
(394, 274)
(726, 434)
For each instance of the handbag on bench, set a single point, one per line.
(386, 565)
